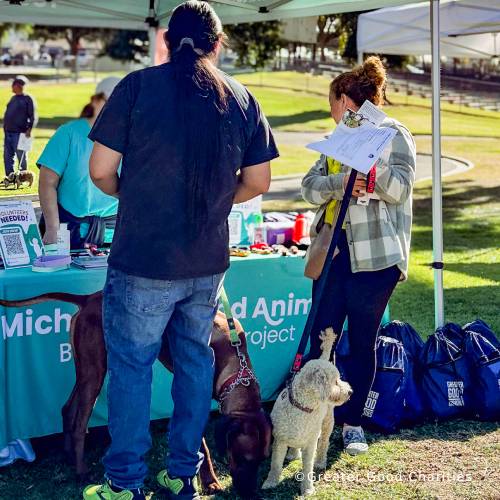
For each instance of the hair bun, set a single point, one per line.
(374, 71)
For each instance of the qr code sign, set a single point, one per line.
(13, 244)
(14, 250)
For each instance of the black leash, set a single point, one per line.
(311, 318)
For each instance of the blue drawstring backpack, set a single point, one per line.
(445, 374)
(484, 364)
(384, 407)
(479, 326)
(414, 410)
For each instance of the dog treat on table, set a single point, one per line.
(239, 252)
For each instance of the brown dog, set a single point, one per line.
(243, 432)
(19, 178)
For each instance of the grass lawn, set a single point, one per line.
(454, 460)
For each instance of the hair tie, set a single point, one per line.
(189, 41)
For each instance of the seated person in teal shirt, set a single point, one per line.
(67, 194)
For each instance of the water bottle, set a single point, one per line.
(259, 230)
(63, 239)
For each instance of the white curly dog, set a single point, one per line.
(303, 415)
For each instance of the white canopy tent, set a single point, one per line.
(468, 29)
(148, 14)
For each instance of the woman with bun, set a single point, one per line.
(373, 251)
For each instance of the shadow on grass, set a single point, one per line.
(55, 121)
(455, 200)
(294, 119)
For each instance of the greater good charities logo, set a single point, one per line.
(371, 402)
(455, 393)
(276, 318)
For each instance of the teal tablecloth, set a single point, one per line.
(269, 295)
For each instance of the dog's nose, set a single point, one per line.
(349, 392)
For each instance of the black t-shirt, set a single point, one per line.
(151, 236)
(20, 114)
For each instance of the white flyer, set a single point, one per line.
(373, 114)
(358, 147)
(25, 143)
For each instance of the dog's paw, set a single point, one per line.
(308, 491)
(293, 454)
(212, 488)
(270, 483)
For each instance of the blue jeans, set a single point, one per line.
(10, 151)
(136, 312)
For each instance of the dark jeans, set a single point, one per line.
(361, 297)
(10, 151)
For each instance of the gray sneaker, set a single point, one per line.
(355, 441)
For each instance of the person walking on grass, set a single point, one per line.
(192, 141)
(19, 118)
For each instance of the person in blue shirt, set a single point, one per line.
(193, 142)
(67, 193)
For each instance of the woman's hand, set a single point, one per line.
(50, 237)
(359, 188)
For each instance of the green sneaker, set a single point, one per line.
(105, 492)
(180, 488)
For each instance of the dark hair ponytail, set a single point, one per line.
(201, 101)
(88, 110)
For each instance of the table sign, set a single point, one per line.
(20, 240)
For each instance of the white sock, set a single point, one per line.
(351, 427)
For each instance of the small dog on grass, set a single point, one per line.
(303, 415)
(19, 178)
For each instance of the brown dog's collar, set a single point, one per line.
(293, 401)
(245, 374)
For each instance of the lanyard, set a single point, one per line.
(370, 179)
(235, 339)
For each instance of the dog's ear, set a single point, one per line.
(318, 379)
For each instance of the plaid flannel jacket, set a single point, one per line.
(379, 233)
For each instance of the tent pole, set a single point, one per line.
(437, 200)
(152, 45)
(360, 57)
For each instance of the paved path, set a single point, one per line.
(288, 187)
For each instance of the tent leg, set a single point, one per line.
(152, 45)
(437, 200)
(360, 57)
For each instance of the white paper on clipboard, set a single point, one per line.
(358, 147)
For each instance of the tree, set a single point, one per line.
(327, 32)
(127, 45)
(255, 44)
(348, 29)
(71, 34)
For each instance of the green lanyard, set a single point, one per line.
(235, 339)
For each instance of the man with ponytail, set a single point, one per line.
(373, 252)
(192, 142)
